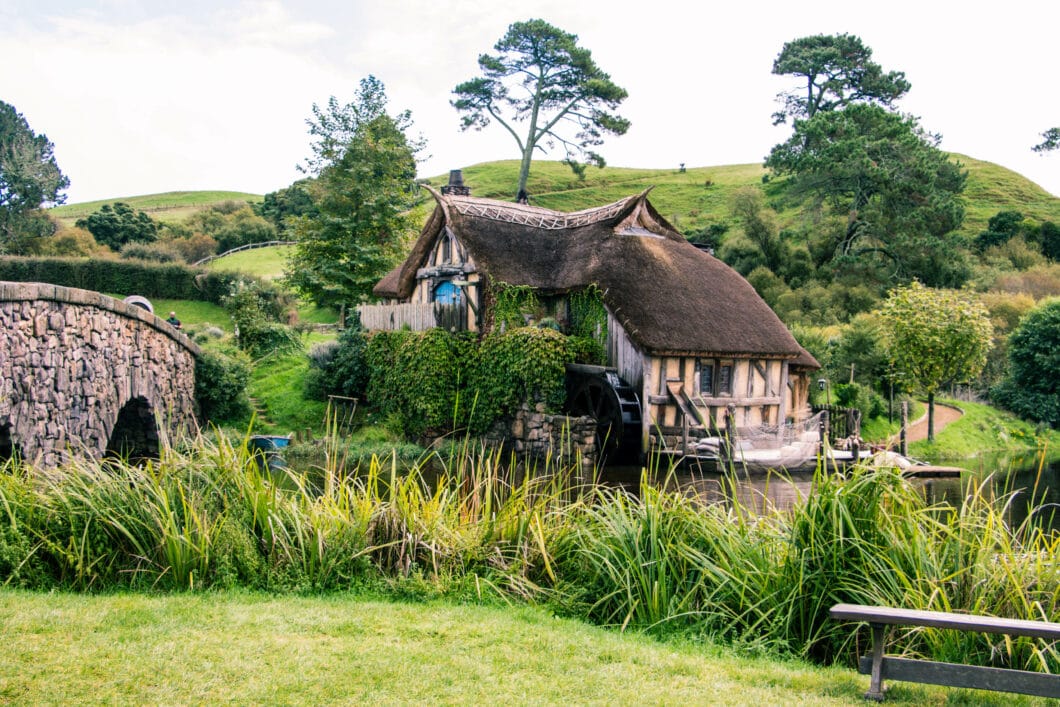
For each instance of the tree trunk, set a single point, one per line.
(524, 170)
(931, 417)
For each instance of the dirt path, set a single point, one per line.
(944, 415)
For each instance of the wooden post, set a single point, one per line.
(730, 434)
(903, 444)
(875, 692)
(824, 429)
(854, 427)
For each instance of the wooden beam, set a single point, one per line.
(976, 677)
(943, 619)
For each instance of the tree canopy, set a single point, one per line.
(937, 338)
(365, 167)
(29, 179)
(836, 71)
(1050, 141)
(1032, 387)
(115, 225)
(894, 195)
(541, 76)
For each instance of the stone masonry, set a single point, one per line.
(71, 360)
(535, 433)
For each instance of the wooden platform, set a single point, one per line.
(928, 471)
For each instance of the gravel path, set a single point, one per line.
(944, 415)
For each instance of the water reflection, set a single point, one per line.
(1023, 484)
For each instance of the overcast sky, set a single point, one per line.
(145, 97)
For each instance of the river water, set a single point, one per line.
(1023, 484)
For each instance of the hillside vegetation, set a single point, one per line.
(170, 207)
(690, 200)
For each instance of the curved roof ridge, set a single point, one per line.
(534, 216)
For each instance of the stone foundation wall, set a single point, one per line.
(536, 433)
(70, 360)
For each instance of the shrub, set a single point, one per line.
(195, 247)
(339, 367)
(221, 377)
(861, 397)
(117, 224)
(125, 277)
(153, 252)
(256, 308)
(1032, 388)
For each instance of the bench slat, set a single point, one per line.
(970, 676)
(942, 619)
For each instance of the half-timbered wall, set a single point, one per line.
(758, 389)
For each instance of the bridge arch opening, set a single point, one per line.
(8, 447)
(135, 435)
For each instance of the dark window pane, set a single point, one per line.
(725, 380)
(706, 378)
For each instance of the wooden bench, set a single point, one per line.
(978, 677)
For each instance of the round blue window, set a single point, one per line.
(447, 293)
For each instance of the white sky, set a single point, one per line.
(146, 97)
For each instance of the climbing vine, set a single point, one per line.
(428, 383)
(524, 364)
(588, 315)
(512, 305)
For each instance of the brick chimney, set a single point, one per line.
(456, 184)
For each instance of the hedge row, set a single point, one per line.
(125, 277)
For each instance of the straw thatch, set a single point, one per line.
(669, 296)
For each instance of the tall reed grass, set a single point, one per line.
(475, 522)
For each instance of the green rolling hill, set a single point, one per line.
(690, 200)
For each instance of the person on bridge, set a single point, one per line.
(173, 321)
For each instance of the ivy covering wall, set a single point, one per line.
(430, 383)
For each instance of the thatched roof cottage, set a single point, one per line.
(687, 333)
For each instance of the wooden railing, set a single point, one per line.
(840, 420)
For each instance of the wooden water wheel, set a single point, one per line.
(600, 393)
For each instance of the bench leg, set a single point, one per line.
(876, 681)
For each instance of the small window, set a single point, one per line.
(715, 377)
(447, 293)
(706, 378)
(725, 379)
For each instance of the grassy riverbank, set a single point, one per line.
(251, 648)
(984, 429)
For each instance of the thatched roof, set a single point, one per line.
(669, 296)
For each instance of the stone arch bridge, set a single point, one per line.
(83, 373)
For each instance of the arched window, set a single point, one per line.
(447, 293)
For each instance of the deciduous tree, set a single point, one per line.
(1032, 387)
(835, 70)
(541, 77)
(936, 338)
(365, 166)
(29, 179)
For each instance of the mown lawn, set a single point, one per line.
(267, 263)
(262, 649)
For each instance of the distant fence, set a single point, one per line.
(416, 317)
(248, 246)
(840, 420)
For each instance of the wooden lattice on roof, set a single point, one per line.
(536, 217)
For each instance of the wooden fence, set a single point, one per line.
(248, 246)
(840, 420)
(417, 317)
